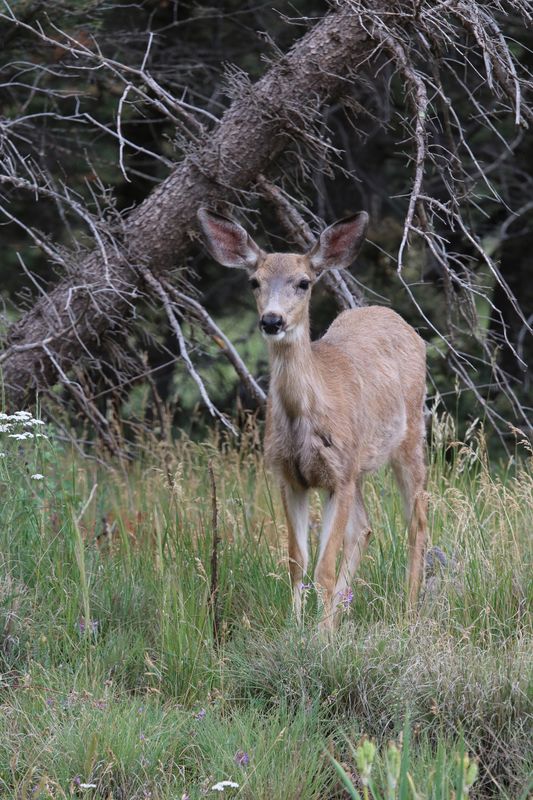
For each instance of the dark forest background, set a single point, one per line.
(79, 149)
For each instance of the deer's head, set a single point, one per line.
(282, 282)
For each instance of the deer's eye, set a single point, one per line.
(304, 284)
(254, 283)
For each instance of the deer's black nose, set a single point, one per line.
(271, 323)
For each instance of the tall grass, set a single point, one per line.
(111, 678)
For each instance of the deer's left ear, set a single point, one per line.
(339, 244)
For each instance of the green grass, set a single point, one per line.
(110, 675)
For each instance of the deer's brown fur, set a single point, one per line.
(338, 408)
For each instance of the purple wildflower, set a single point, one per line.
(201, 714)
(346, 598)
(90, 625)
(305, 586)
(241, 758)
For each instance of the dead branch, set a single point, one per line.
(214, 604)
(170, 311)
(209, 326)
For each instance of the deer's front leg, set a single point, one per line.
(356, 539)
(296, 505)
(334, 521)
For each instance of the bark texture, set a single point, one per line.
(71, 321)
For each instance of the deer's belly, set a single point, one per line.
(380, 447)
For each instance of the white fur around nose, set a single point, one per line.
(273, 337)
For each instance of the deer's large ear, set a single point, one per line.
(339, 244)
(227, 241)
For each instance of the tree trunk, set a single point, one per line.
(85, 307)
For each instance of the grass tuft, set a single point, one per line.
(110, 677)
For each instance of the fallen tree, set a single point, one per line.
(79, 322)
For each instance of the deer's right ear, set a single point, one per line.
(228, 242)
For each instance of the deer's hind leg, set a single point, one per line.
(410, 470)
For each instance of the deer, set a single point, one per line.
(338, 408)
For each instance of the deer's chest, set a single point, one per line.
(304, 454)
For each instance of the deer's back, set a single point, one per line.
(377, 340)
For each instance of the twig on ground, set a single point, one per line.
(214, 588)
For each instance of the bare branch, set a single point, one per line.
(163, 295)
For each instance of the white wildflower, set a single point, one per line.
(2, 455)
(87, 785)
(37, 477)
(219, 787)
(21, 415)
(16, 426)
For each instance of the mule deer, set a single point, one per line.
(338, 408)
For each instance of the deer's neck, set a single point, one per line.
(295, 380)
